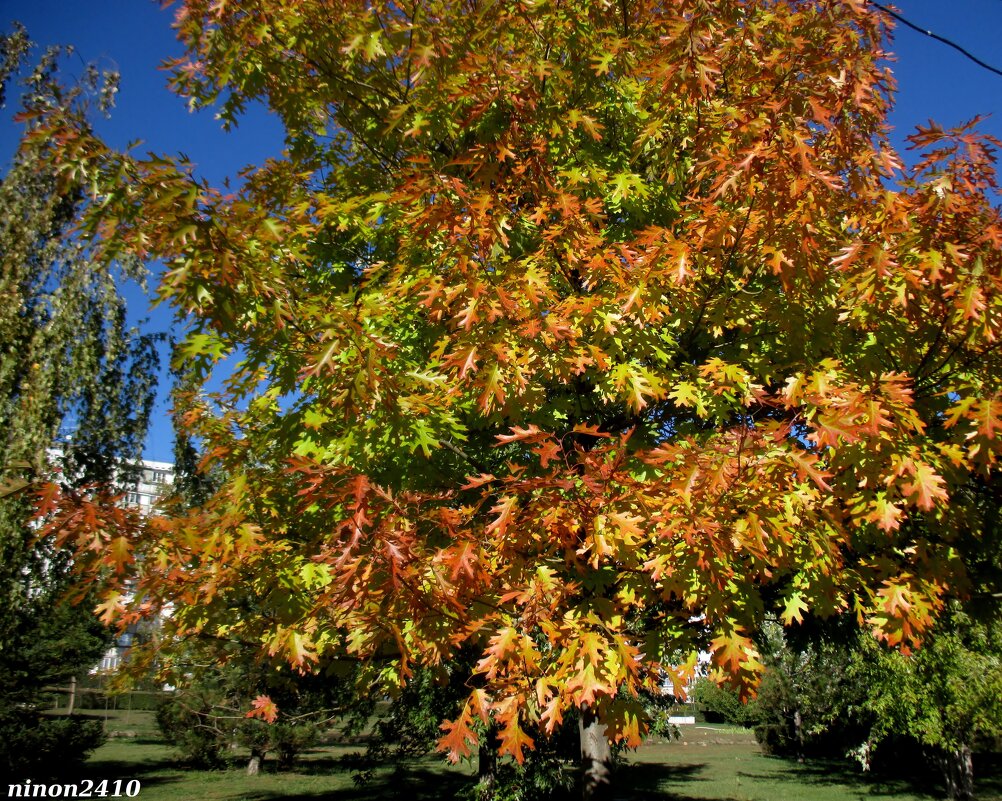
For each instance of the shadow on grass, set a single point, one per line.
(645, 780)
(149, 772)
(840, 772)
(142, 739)
(323, 764)
(988, 775)
(416, 784)
(635, 783)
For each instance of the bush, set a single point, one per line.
(207, 716)
(183, 727)
(773, 738)
(723, 704)
(291, 739)
(37, 746)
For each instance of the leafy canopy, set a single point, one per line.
(582, 334)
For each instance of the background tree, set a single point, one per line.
(848, 695)
(579, 335)
(72, 375)
(946, 697)
(829, 689)
(809, 700)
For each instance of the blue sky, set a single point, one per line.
(135, 36)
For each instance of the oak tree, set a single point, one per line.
(582, 334)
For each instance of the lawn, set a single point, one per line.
(726, 764)
(709, 762)
(320, 774)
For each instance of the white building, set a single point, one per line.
(154, 480)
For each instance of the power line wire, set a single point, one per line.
(935, 36)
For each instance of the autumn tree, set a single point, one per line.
(72, 371)
(581, 334)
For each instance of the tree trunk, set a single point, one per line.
(596, 758)
(798, 729)
(958, 772)
(73, 695)
(254, 766)
(487, 767)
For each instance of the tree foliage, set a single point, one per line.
(578, 334)
(810, 699)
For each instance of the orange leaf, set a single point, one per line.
(120, 551)
(458, 739)
(927, 487)
(263, 707)
(531, 434)
(514, 739)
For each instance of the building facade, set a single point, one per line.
(155, 479)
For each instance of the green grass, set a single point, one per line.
(320, 773)
(127, 724)
(722, 763)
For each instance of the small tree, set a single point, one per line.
(809, 700)
(218, 707)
